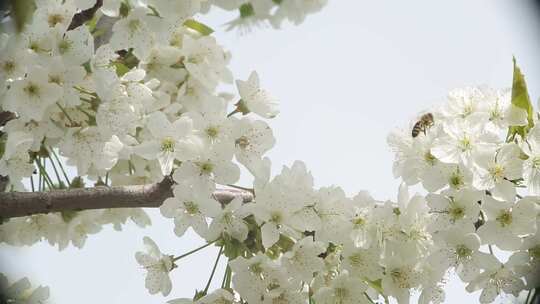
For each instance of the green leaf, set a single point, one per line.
(520, 99)
(203, 29)
(520, 95)
(121, 69)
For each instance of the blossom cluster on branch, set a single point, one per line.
(124, 113)
(130, 97)
(21, 292)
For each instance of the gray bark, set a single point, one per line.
(16, 204)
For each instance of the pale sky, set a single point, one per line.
(345, 78)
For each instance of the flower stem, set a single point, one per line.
(55, 171)
(51, 150)
(65, 112)
(213, 270)
(229, 277)
(193, 251)
(369, 298)
(225, 275)
(43, 172)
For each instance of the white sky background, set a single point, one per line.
(345, 78)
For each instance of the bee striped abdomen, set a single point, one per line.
(425, 122)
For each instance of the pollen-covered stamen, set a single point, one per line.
(400, 277)
(191, 207)
(430, 158)
(504, 218)
(463, 252)
(64, 46)
(206, 167)
(359, 221)
(357, 260)
(8, 66)
(54, 19)
(242, 142)
(465, 143)
(276, 217)
(32, 90)
(167, 145)
(164, 264)
(212, 131)
(497, 172)
(256, 268)
(456, 180)
(467, 110)
(456, 211)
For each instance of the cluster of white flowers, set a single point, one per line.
(296, 244)
(21, 292)
(135, 99)
(125, 112)
(479, 162)
(273, 12)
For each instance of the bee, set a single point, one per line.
(425, 122)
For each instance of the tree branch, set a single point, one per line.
(6, 116)
(81, 17)
(16, 204)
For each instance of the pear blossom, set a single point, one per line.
(189, 209)
(454, 209)
(459, 248)
(401, 274)
(500, 111)
(496, 170)
(343, 289)
(210, 166)
(495, 279)
(229, 221)
(507, 221)
(414, 161)
(157, 266)
(303, 260)
(205, 61)
(462, 140)
(134, 31)
(167, 141)
(55, 15)
(252, 139)
(254, 99)
(31, 96)
(89, 151)
(362, 261)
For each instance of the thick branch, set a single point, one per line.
(15, 204)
